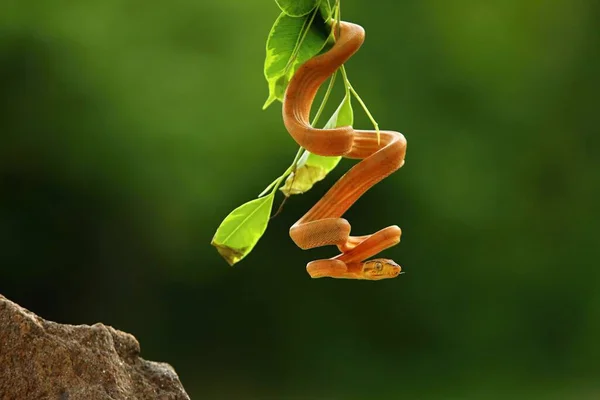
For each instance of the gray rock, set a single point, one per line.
(44, 360)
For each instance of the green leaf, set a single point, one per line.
(325, 9)
(343, 116)
(296, 8)
(288, 48)
(277, 88)
(242, 228)
(313, 168)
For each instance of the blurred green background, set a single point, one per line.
(130, 129)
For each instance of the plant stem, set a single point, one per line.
(346, 80)
(325, 99)
(362, 103)
(300, 41)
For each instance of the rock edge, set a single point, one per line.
(41, 359)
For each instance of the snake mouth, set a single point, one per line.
(396, 271)
(393, 269)
(387, 274)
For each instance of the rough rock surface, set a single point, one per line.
(45, 360)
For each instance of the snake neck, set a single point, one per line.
(303, 88)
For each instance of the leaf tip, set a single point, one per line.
(269, 101)
(231, 255)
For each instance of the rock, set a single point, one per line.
(45, 360)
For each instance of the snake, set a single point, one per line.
(380, 153)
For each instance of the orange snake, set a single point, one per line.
(322, 225)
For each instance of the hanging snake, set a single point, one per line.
(380, 156)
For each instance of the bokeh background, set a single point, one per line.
(129, 129)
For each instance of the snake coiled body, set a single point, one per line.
(380, 156)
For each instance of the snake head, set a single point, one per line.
(380, 268)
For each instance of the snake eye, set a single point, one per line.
(378, 266)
